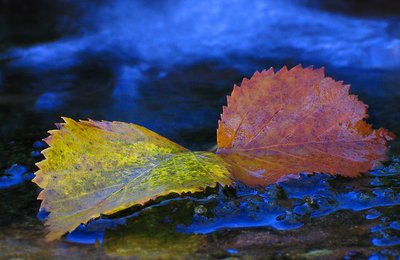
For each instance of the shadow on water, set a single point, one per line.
(169, 67)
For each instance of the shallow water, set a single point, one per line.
(169, 67)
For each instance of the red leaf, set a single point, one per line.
(294, 121)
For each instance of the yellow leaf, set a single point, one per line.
(94, 168)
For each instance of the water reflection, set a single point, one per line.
(170, 224)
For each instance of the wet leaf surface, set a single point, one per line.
(94, 168)
(297, 120)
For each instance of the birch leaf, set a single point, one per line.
(294, 121)
(94, 168)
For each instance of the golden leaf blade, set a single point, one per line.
(96, 167)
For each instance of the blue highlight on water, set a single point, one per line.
(83, 235)
(306, 197)
(129, 40)
(232, 251)
(14, 176)
(372, 214)
(17, 173)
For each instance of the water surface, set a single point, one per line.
(169, 66)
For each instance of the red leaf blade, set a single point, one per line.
(294, 121)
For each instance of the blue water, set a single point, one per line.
(138, 35)
(14, 176)
(122, 47)
(284, 206)
(168, 66)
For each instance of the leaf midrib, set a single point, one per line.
(295, 144)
